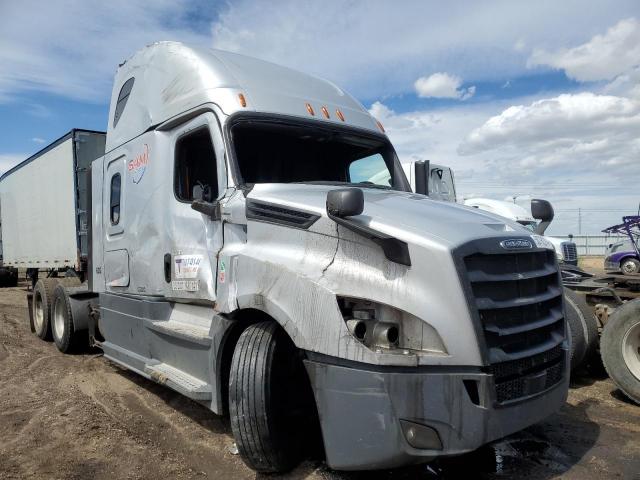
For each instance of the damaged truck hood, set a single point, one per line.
(409, 217)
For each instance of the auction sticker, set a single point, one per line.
(186, 266)
(185, 285)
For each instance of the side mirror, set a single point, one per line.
(345, 202)
(421, 179)
(211, 209)
(541, 210)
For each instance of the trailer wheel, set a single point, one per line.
(620, 348)
(266, 399)
(64, 335)
(42, 300)
(630, 266)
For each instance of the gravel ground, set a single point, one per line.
(80, 416)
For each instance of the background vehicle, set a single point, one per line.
(45, 207)
(624, 256)
(239, 253)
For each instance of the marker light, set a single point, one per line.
(325, 112)
(340, 115)
(380, 126)
(242, 100)
(310, 109)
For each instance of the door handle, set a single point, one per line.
(167, 267)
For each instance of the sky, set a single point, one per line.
(522, 99)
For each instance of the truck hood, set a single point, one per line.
(407, 216)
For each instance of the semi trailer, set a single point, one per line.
(238, 253)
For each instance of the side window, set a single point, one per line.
(114, 201)
(371, 169)
(196, 175)
(123, 96)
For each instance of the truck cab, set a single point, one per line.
(244, 253)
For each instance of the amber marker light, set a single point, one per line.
(310, 109)
(325, 112)
(242, 100)
(339, 114)
(380, 126)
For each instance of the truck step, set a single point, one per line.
(180, 381)
(186, 331)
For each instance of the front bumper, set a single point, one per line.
(360, 408)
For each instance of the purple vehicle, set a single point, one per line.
(624, 255)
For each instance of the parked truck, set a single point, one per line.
(238, 253)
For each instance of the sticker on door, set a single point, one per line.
(186, 266)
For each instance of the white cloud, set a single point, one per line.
(442, 85)
(73, 48)
(38, 140)
(373, 48)
(571, 136)
(602, 58)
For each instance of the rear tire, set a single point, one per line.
(267, 399)
(630, 266)
(64, 335)
(43, 301)
(620, 349)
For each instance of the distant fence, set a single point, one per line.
(592, 244)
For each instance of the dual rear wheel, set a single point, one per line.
(51, 310)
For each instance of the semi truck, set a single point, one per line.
(237, 252)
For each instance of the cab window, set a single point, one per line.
(195, 167)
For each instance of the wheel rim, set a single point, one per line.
(38, 317)
(58, 319)
(631, 350)
(629, 267)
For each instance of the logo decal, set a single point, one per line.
(138, 165)
(516, 244)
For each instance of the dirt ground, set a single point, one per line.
(82, 417)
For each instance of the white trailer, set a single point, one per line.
(44, 205)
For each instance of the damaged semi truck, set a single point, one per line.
(239, 254)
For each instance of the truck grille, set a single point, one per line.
(569, 251)
(518, 298)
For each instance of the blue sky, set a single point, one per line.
(520, 98)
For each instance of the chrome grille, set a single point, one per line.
(518, 298)
(569, 251)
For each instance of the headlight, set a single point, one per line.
(384, 328)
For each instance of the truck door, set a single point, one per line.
(116, 256)
(199, 173)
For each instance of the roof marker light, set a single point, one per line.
(380, 126)
(310, 109)
(340, 115)
(325, 112)
(242, 100)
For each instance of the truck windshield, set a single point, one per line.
(269, 152)
(529, 225)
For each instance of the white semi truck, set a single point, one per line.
(238, 253)
(441, 186)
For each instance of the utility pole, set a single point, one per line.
(579, 221)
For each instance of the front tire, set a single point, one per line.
(620, 348)
(630, 266)
(267, 387)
